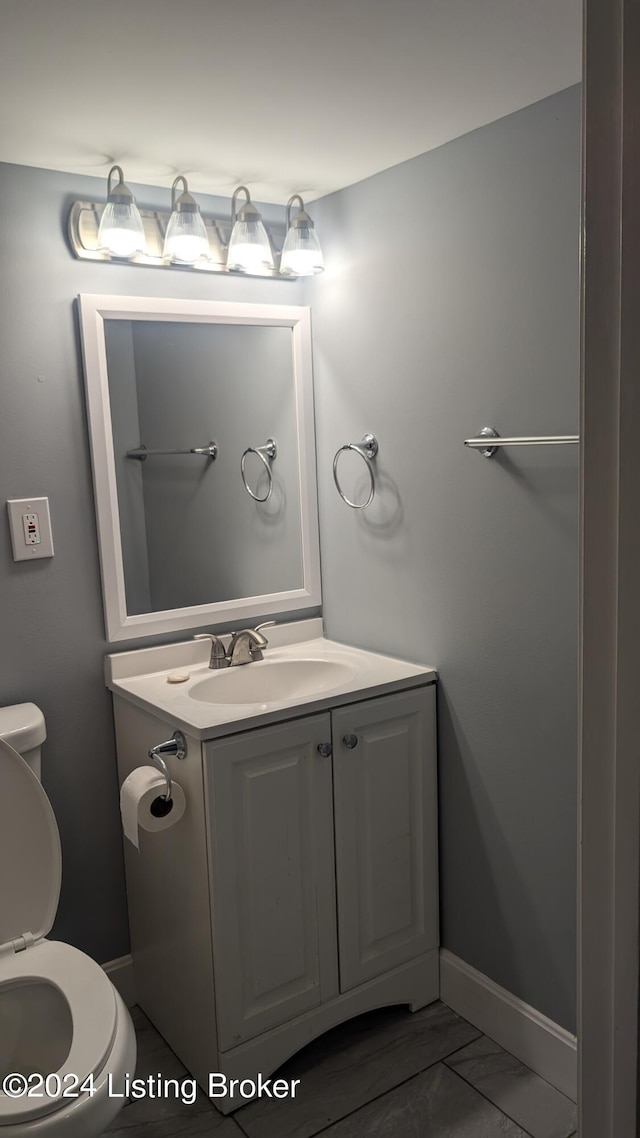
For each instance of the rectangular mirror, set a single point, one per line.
(203, 452)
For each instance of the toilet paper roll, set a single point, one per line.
(139, 791)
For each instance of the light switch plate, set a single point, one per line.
(30, 526)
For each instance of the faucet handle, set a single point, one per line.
(265, 624)
(259, 641)
(218, 658)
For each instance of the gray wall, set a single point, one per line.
(450, 302)
(51, 610)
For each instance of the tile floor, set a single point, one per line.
(387, 1074)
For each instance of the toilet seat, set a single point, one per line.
(30, 877)
(91, 999)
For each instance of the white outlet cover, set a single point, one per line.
(22, 550)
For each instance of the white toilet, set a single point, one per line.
(59, 1013)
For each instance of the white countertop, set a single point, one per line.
(141, 677)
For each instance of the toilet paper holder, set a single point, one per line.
(176, 745)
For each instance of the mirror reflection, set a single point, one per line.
(191, 531)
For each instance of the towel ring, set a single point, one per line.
(367, 449)
(266, 454)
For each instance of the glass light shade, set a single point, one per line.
(301, 252)
(121, 231)
(186, 237)
(249, 247)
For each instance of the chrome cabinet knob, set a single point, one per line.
(350, 741)
(325, 749)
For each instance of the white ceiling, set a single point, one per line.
(285, 95)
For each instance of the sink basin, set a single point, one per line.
(297, 671)
(272, 681)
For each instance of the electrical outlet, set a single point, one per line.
(30, 526)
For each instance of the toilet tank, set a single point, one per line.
(22, 726)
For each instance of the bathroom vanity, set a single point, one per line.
(300, 886)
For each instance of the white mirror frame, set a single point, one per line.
(94, 310)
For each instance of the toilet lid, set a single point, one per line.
(30, 856)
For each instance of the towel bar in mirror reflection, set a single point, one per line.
(143, 452)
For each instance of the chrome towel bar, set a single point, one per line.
(488, 440)
(141, 453)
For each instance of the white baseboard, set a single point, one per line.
(537, 1041)
(541, 1044)
(120, 973)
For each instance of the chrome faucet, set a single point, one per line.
(218, 657)
(246, 645)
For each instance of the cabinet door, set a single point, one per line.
(385, 832)
(269, 796)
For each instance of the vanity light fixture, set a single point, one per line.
(249, 246)
(121, 231)
(301, 253)
(186, 238)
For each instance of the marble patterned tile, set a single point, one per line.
(537, 1106)
(354, 1063)
(166, 1117)
(435, 1104)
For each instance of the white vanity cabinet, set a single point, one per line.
(322, 857)
(299, 889)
